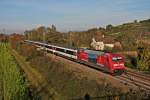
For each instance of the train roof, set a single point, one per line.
(115, 54)
(93, 52)
(45, 44)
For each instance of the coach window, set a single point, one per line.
(70, 52)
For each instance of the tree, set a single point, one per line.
(135, 21)
(53, 28)
(3, 38)
(15, 40)
(41, 29)
(109, 27)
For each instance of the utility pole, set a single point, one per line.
(70, 42)
(31, 35)
(44, 39)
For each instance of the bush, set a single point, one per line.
(143, 60)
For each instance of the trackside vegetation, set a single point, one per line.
(12, 82)
(66, 82)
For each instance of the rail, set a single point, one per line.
(142, 81)
(137, 79)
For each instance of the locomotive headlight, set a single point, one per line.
(121, 64)
(115, 64)
(118, 65)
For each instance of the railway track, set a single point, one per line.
(139, 75)
(133, 78)
(130, 77)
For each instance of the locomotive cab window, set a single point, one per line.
(116, 58)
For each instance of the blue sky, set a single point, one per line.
(66, 15)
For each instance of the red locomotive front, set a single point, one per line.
(113, 62)
(109, 62)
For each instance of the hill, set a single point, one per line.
(128, 34)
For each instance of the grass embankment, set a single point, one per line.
(40, 88)
(12, 83)
(66, 82)
(72, 83)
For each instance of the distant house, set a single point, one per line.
(99, 43)
(109, 45)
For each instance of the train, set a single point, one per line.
(111, 63)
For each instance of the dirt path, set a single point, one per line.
(40, 86)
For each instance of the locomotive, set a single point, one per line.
(109, 62)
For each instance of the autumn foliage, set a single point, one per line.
(3, 38)
(15, 39)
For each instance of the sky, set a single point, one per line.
(69, 15)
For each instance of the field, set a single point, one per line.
(12, 82)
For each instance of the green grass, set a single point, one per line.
(12, 84)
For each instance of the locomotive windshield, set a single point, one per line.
(117, 58)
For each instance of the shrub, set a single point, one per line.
(143, 60)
